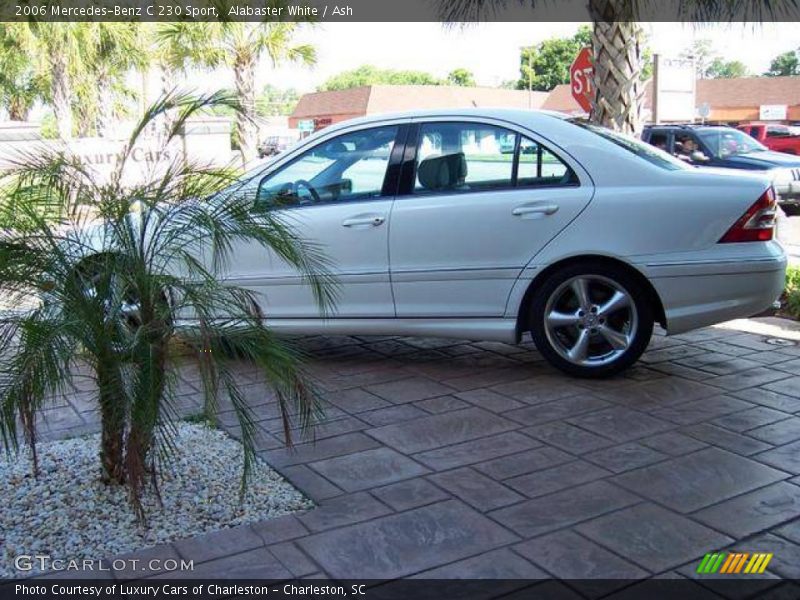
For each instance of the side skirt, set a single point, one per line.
(500, 330)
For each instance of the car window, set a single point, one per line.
(633, 145)
(349, 167)
(752, 132)
(470, 157)
(777, 131)
(659, 139)
(688, 148)
(464, 157)
(724, 142)
(539, 166)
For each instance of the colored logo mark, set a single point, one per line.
(734, 562)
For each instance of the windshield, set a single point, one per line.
(635, 146)
(728, 142)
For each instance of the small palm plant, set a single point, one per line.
(120, 270)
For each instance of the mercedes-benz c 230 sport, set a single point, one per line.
(486, 224)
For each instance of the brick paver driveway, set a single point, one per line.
(458, 459)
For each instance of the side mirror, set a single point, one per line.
(263, 197)
(698, 156)
(267, 197)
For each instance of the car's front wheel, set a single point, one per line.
(591, 320)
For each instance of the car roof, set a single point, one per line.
(504, 114)
(687, 126)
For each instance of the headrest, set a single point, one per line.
(443, 172)
(336, 148)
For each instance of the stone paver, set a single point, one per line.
(753, 512)
(697, 480)
(652, 537)
(446, 458)
(368, 469)
(441, 430)
(563, 508)
(477, 490)
(406, 543)
(567, 555)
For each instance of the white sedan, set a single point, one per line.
(487, 223)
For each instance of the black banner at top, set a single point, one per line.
(364, 11)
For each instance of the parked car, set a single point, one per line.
(774, 136)
(275, 144)
(583, 237)
(719, 146)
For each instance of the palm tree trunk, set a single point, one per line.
(18, 110)
(105, 108)
(168, 82)
(112, 419)
(245, 77)
(62, 93)
(616, 45)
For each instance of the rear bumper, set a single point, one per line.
(699, 294)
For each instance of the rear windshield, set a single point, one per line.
(635, 146)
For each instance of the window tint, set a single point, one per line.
(777, 131)
(660, 140)
(539, 166)
(687, 147)
(464, 157)
(349, 167)
(723, 142)
(634, 146)
(470, 157)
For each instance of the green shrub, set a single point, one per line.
(114, 290)
(792, 293)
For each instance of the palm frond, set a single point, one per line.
(92, 251)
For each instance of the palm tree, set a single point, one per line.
(20, 84)
(60, 51)
(114, 50)
(113, 291)
(239, 46)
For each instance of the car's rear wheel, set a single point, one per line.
(591, 320)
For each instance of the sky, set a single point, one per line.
(491, 50)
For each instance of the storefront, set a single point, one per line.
(327, 108)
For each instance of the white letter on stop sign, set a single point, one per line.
(577, 82)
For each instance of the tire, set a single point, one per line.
(582, 339)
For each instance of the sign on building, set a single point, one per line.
(674, 89)
(772, 112)
(305, 125)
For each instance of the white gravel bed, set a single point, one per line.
(68, 513)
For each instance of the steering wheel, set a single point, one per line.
(303, 183)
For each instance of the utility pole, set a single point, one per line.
(530, 79)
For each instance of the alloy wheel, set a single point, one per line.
(590, 320)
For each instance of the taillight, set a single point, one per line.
(757, 224)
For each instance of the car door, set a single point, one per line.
(478, 200)
(336, 196)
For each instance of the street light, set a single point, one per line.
(530, 73)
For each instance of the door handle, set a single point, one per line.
(537, 209)
(364, 220)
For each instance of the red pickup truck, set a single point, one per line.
(775, 137)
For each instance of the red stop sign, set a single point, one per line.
(580, 79)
